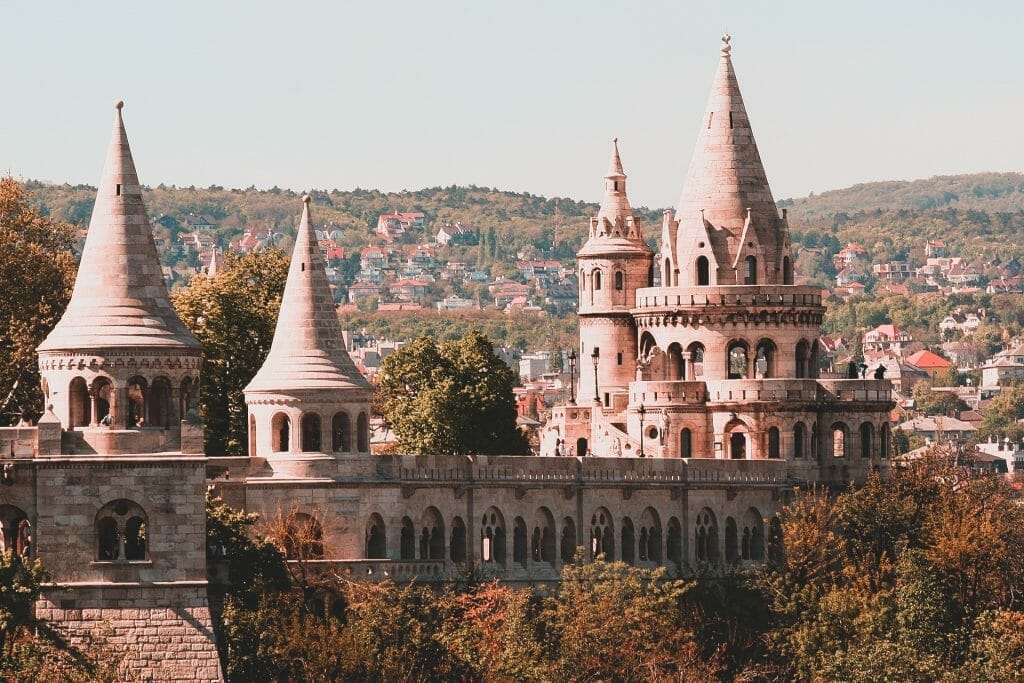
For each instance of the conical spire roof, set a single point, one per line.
(726, 183)
(308, 351)
(614, 227)
(119, 298)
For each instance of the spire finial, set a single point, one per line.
(306, 199)
(119, 105)
(726, 48)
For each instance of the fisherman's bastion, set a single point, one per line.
(699, 409)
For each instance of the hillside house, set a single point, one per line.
(1005, 367)
(457, 235)
(396, 224)
(935, 249)
(360, 290)
(893, 271)
(935, 365)
(886, 339)
(849, 255)
(408, 290)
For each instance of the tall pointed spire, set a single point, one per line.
(308, 351)
(214, 266)
(119, 298)
(726, 186)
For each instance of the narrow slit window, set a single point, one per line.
(730, 119)
(710, 117)
(119, 189)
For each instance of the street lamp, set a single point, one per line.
(572, 377)
(595, 358)
(642, 412)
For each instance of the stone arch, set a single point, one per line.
(702, 268)
(666, 273)
(596, 279)
(544, 543)
(407, 546)
(674, 542)
(312, 432)
(750, 270)
(137, 389)
(686, 443)
(304, 537)
(738, 440)
(158, 408)
(432, 536)
(799, 439)
(103, 397)
(706, 537)
(840, 440)
(363, 433)
(121, 532)
(187, 399)
(867, 438)
(628, 551)
(765, 359)
(519, 552)
(649, 549)
(80, 407)
(753, 535)
(15, 530)
(602, 534)
(341, 432)
(787, 271)
(492, 537)
(732, 555)
(280, 433)
(737, 359)
(620, 280)
(675, 366)
(696, 370)
(803, 359)
(457, 542)
(376, 538)
(568, 540)
(774, 445)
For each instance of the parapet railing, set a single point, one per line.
(728, 295)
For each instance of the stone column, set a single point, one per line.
(93, 407)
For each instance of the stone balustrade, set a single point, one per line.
(694, 297)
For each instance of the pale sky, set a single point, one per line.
(519, 95)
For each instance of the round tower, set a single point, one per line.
(120, 369)
(613, 264)
(308, 403)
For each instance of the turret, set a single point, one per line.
(613, 263)
(308, 401)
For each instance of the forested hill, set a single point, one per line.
(989, 192)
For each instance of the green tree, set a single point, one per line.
(37, 269)
(454, 397)
(234, 315)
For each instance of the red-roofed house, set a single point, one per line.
(391, 225)
(886, 339)
(932, 363)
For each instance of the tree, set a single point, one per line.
(234, 315)
(929, 402)
(454, 397)
(37, 269)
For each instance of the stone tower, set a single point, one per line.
(613, 264)
(122, 527)
(309, 403)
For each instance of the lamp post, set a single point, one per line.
(595, 358)
(572, 377)
(642, 412)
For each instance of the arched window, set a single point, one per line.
(803, 357)
(81, 403)
(188, 408)
(341, 433)
(376, 538)
(703, 271)
(407, 549)
(432, 535)
(280, 428)
(16, 531)
(706, 533)
(738, 445)
(787, 271)
(696, 361)
(597, 280)
(675, 367)
(650, 536)
(492, 537)
(867, 436)
(137, 392)
(628, 541)
(666, 274)
(363, 433)
(457, 544)
(568, 541)
(158, 410)
(686, 443)
(799, 434)
(674, 542)
(839, 440)
(121, 532)
(737, 361)
(304, 537)
(731, 552)
(773, 443)
(519, 541)
(311, 431)
(544, 536)
(753, 536)
(103, 391)
(602, 535)
(750, 271)
(618, 281)
(764, 360)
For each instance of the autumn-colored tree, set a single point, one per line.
(233, 315)
(37, 269)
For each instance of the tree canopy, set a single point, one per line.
(453, 397)
(37, 269)
(233, 315)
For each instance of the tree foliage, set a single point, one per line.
(233, 315)
(37, 269)
(453, 397)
